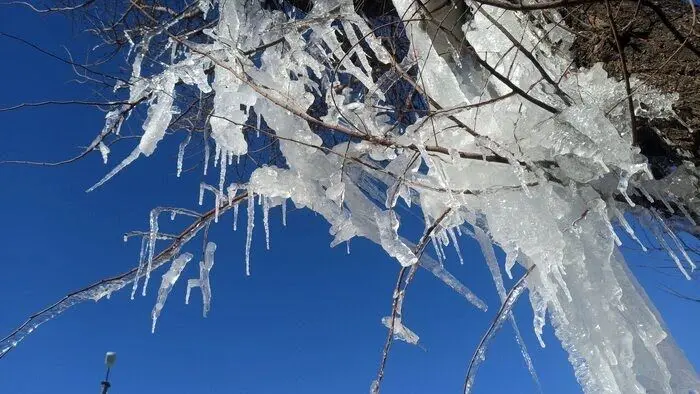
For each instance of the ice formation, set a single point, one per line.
(203, 281)
(542, 170)
(169, 279)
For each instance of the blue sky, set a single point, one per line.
(306, 321)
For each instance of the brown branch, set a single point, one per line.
(62, 102)
(61, 59)
(505, 80)
(50, 9)
(529, 55)
(669, 25)
(127, 107)
(625, 73)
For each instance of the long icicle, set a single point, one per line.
(152, 236)
(142, 263)
(249, 231)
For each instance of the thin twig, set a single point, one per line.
(506, 306)
(398, 296)
(625, 73)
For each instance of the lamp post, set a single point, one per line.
(110, 358)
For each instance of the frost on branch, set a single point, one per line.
(366, 118)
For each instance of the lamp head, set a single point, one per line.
(110, 358)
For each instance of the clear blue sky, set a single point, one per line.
(306, 321)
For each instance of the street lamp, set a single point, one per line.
(110, 358)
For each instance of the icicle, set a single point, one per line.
(104, 151)
(217, 202)
(231, 191)
(600, 207)
(206, 153)
(400, 332)
(670, 252)
(436, 248)
(217, 155)
(190, 284)
(203, 281)
(169, 279)
(388, 225)
(392, 194)
(142, 263)
(677, 241)
(222, 173)
(665, 202)
(173, 214)
(646, 193)
(439, 271)
(511, 258)
(627, 197)
(451, 232)
(218, 197)
(374, 387)
(660, 237)
(456, 56)
(625, 224)
(235, 217)
(249, 230)
(441, 250)
(181, 154)
(490, 256)
(444, 239)
(266, 224)
(151, 246)
(284, 212)
(347, 246)
(173, 47)
(128, 160)
(622, 188)
(686, 213)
